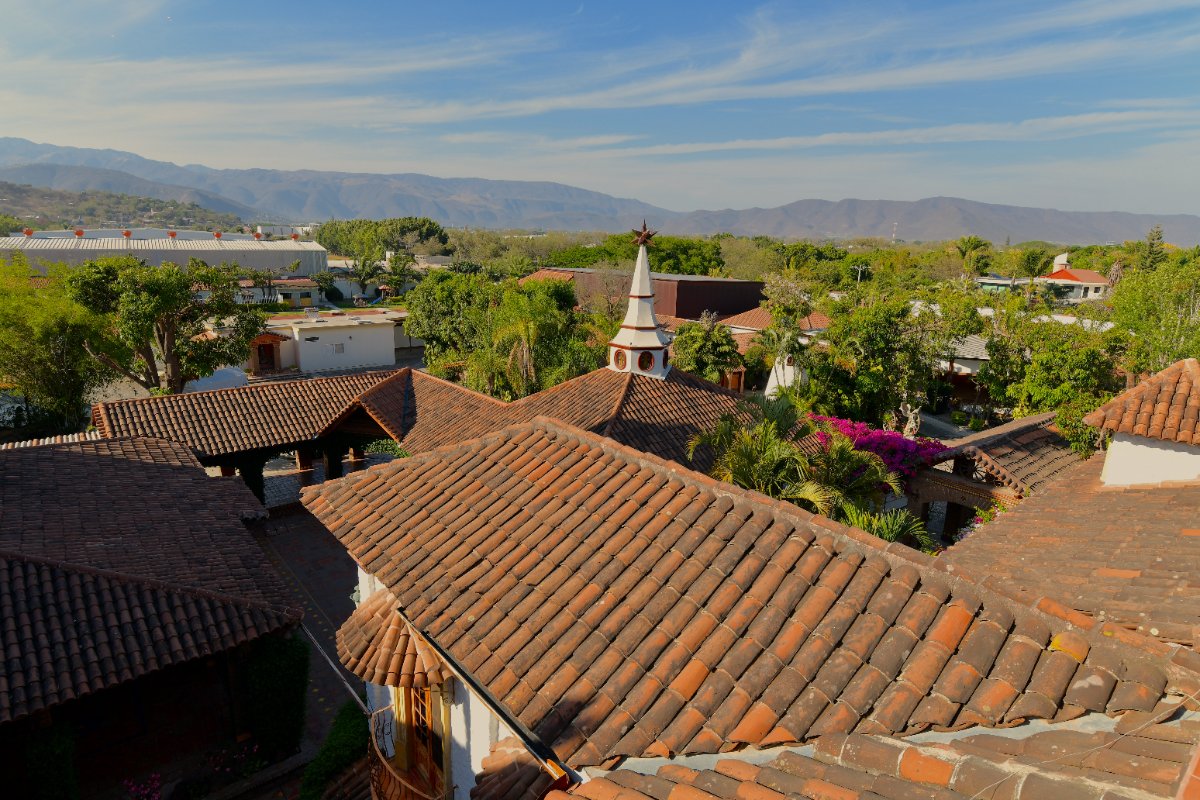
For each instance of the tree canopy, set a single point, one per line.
(43, 355)
(705, 348)
(156, 316)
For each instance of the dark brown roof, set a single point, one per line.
(422, 412)
(1165, 406)
(377, 645)
(1129, 555)
(618, 605)
(1023, 455)
(1052, 764)
(226, 421)
(119, 557)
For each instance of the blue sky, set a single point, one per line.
(1091, 105)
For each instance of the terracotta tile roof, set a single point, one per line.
(618, 605)
(1077, 275)
(1047, 765)
(117, 558)
(87, 436)
(377, 645)
(510, 772)
(422, 412)
(1131, 555)
(549, 274)
(1024, 455)
(1165, 406)
(227, 421)
(760, 319)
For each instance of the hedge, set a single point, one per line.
(346, 743)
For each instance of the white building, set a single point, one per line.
(276, 256)
(331, 341)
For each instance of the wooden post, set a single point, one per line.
(252, 474)
(304, 465)
(358, 457)
(332, 455)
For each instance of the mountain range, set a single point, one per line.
(300, 196)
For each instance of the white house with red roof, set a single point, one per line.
(1077, 285)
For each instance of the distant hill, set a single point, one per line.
(938, 218)
(77, 179)
(51, 208)
(300, 196)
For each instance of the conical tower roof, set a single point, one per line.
(640, 346)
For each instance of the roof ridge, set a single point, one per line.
(156, 583)
(357, 402)
(231, 389)
(427, 376)
(1191, 366)
(896, 554)
(617, 406)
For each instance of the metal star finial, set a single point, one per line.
(644, 235)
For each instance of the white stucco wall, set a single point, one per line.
(1133, 460)
(783, 375)
(474, 729)
(362, 345)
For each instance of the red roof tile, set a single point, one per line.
(618, 605)
(510, 772)
(1050, 764)
(422, 412)
(117, 558)
(549, 274)
(1116, 554)
(1024, 455)
(227, 421)
(377, 645)
(1165, 406)
(760, 319)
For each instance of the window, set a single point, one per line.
(422, 743)
(339, 348)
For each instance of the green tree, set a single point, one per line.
(43, 347)
(402, 271)
(706, 348)
(1157, 313)
(969, 249)
(1151, 253)
(9, 225)
(757, 449)
(154, 315)
(325, 281)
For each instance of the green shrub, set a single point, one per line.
(334, 294)
(958, 417)
(346, 743)
(977, 423)
(386, 447)
(50, 764)
(276, 688)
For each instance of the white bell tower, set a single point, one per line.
(640, 346)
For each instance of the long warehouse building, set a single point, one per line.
(277, 256)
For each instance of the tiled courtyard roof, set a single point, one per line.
(1126, 762)
(422, 412)
(1023, 455)
(227, 421)
(618, 606)
(760, 319)
(1165, 406)
(117, 558)
(1129, 555)
(65, 438)
(377, 645)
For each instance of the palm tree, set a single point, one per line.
(1031, 264)
(759, 450)
(897, 525)
(520, 336)
(967, 248)
(780, 342)
(757, 457)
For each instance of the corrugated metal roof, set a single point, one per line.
(123, 245)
